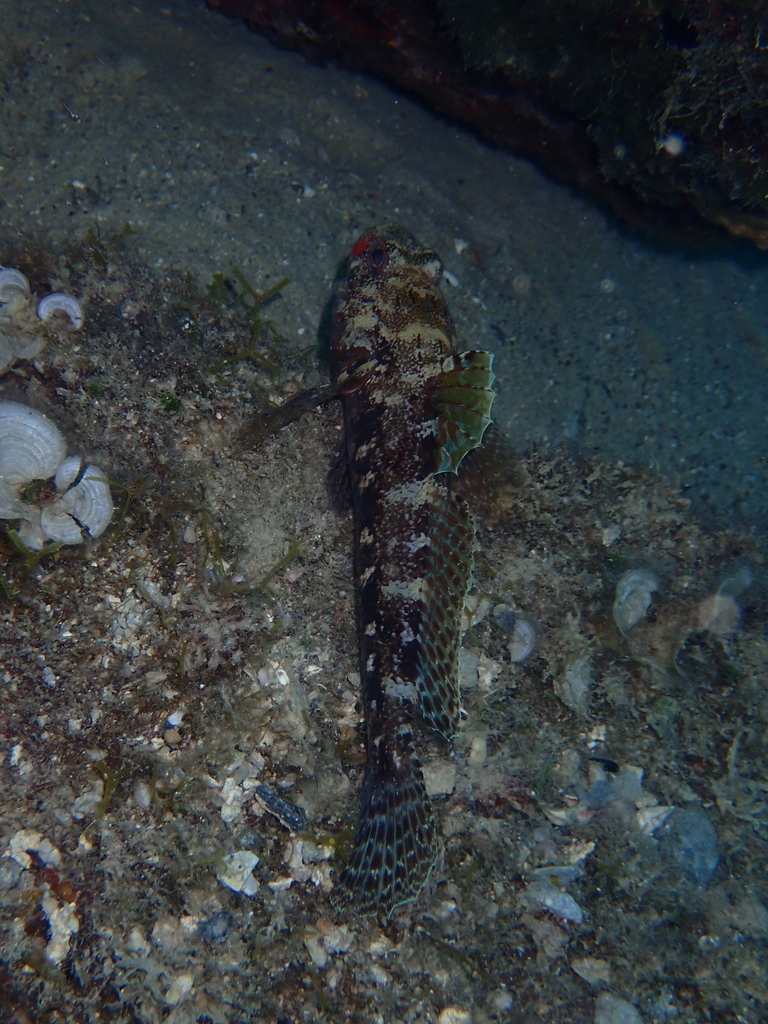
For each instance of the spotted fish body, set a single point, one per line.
(413, 407)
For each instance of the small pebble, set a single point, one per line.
(609, 1009)
(180, 988)
(468, 665)
(216, 928)
(453, 1015)
(502, 1001)
(574, 684)
(479, 750)
(142, 794)
(137, 942)
(379, 974)
(172, 737)
(593, 970)
(10, 873)
(544, 894)
(166, 933)
(505, 617)
(235, 872)
(634, 593)
(690, 843)
(315, 947)
(439, 778)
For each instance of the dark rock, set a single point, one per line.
(689, 843)
(659, 111)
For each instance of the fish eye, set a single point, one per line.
(377, 258)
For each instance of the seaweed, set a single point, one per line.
(168, 401)
(111, 780)
(30, 556)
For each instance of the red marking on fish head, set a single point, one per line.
(363, 242)
(372, 250)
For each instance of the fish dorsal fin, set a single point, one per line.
(464, 399)
(446, 581)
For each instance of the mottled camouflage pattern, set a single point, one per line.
(413, 408)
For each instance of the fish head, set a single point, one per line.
(388, 251)
(389, 272)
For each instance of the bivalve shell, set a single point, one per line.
(11, 506)
(57, 524)
(89, 503)
(58, 302)
(31, 447)
(523, 639)
(67, 472)
(14, 287)
(633, 598)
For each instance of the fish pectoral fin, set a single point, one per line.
(464, 395)
(492, 478)
(268, 422)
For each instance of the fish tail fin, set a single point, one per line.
(396, 844)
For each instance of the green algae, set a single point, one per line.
(111, 780)
(30, 556)
(170, 402)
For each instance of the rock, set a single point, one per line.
(663, 133)
(689, 841)
(609, 1009)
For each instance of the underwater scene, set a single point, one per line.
(383, 599)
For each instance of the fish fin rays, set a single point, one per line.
(464, 396)
(492, 478)
(449, 567)
(396, 844)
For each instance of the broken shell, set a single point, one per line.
(32, 448)
(67, 472)
(61, 303)
(14, 287)
(87, 504)
(649, 818)
(719, 614)
(11, 507)
(633, 598)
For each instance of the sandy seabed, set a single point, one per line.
(604, 810)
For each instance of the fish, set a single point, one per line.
(413, 408)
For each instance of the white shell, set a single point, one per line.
(31, 447)
(58, 302)
(30, 531)
(67, 472)
(523, 639)
(11, 506)
(15, 344)
(57, 524)
(13, 285)
(633, 598)
(720, 614)
(88, 502)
